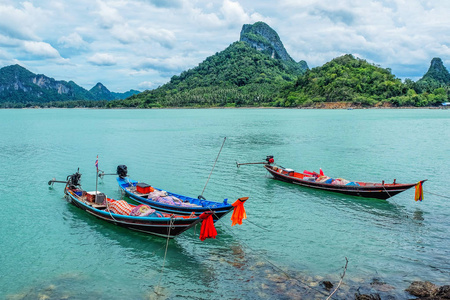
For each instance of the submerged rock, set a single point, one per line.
(327, 284)
(381, 285)
(426, 290)
(444, 292)
(421, 288)
(359, 296)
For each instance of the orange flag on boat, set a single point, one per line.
(207, 230)
(238, 211)
(419, 192)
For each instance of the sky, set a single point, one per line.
(141, 44)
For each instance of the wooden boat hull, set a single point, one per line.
(158, 226)
(220, 209)
(370, 190)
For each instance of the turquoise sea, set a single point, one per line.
(293, 239)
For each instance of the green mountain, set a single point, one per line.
(20, 87)
(244, 74)
(263, 38)
(100, 92)
(125, 95)
(437, 72)
(436, 77)
(345, 78)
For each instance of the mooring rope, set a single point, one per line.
(386, 191)
(437, 194)
(396, 204)
(171, 223)
(271, 263)
(224, 139)
(254, 224)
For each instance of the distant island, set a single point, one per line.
(255, 71)
(21, 88)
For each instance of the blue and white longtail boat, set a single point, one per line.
(177, 204)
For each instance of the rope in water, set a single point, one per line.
(254, 224)
(437, 195)
(171, 222)
(271, 263)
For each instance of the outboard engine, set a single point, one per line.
(270, 159)
(122, 171)
(73, 181)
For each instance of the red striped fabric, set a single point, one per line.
(120, 207)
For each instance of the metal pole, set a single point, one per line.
(96, 181)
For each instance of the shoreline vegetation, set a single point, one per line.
(321, 105)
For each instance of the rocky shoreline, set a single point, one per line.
(428, 291)
(423, 290)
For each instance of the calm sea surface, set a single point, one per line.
(293, 238)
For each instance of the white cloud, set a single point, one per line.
(73, 40)
(40, 49)
(20, 22)
(145, 85)
(172, 65)
(102, 59)
(164, 37)
(197, 16)
(109, 15)
(7, 41)
(234, 14)
(393, 34)
(127, 34)
(4, 56)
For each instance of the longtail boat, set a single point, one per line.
(320, 181)
(119, 212)
(169, 202)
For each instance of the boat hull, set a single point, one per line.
(373, 190)
(219, 209)
(158, 226)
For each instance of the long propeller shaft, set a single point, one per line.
(251, 163)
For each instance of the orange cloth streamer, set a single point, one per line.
(207, 230)
(238, 211)
(419, 192)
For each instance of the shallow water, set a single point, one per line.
(293, 237)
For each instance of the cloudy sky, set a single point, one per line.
(140, 44)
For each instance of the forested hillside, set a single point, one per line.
(354, 80)
(237, 76)
(21, 88)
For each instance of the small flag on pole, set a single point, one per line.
(419, 192)
(96, 163)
